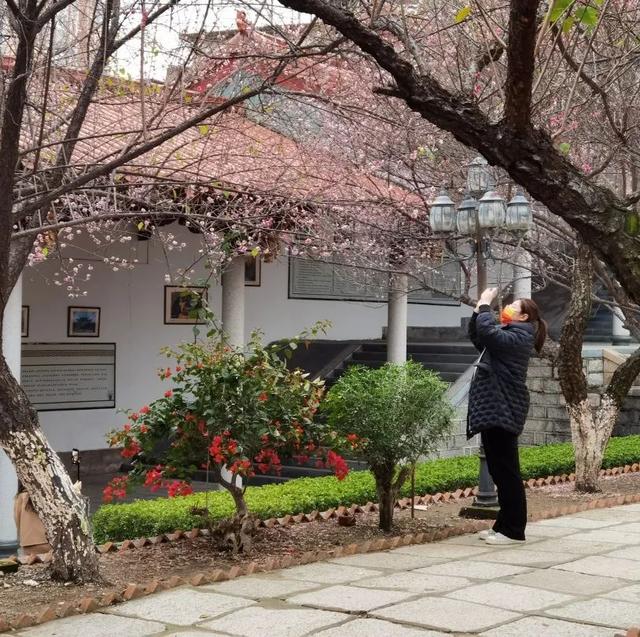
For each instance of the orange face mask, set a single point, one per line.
(506, 316)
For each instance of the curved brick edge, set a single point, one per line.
(332, 513)
(135, 590)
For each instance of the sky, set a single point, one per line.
(162, 40)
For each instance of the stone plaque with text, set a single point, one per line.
(64, 376)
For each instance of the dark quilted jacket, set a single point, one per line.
(498, 396)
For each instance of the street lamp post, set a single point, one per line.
(481, 210)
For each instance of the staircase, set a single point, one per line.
(449, 359)
(600, 326)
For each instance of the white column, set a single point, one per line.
(522, 275)
(397, 319)
(233, 302)
(12, 345)
(618, 331)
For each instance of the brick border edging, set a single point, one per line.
(135, 590)
(333, 512)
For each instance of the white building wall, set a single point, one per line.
(132, 316)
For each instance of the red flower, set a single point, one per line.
(179, 487)
(117, 488)
(178, 368)
(168, 393)
(338, 464)
(127, 427)
(263, 396)
(153, 478)
(134, 416)
(145, 410)
(132, 448)
(352, 438)
(143, 428)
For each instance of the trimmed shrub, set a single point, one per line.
(116, 522)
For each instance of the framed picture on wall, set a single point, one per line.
(252, 271)
(182, 305)
(83, 321)
(25, 321)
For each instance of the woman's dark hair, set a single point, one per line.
(530, 308)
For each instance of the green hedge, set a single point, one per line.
(115, 522)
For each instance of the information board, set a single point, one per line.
(65, 376)
(310, 279)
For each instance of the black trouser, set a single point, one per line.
(501, 451)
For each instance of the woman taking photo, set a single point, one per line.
(499, 402)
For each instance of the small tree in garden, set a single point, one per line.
(226, 408)
(389, 417)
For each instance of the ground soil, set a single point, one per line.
(31, 588)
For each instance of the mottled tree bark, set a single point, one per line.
(591, 424)
(39, 468)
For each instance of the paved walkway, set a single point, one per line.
(577, 576)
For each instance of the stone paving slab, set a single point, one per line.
(611, 534)
(608, 612)
(522, 556)
(629, 553)
(182, 606)
(621, 514)
(188, 633)
(605, 566)
(377, 628)
(510, 596)
(94, 625)
(575, 522)
(326, 573)
(535, 531)
(547, 627)
(474, 570)
(448, 614)
(265, 587)
(387, 561)
(350, 599)
(563, 545)
(275, 622)
(416, 582)
(567, 582)
(627, 594)
(629, 527)
(443, 551)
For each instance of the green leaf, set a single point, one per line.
(255, 252)
(567, 24)
(293, 345)
(45, 251)
(589, 16)
(559, 8)
(203, 129)
(463, 14)
(140, 225)
(564, 148)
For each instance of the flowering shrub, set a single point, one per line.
(227, 408)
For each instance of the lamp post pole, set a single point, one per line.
(487, 495)
(472, 218)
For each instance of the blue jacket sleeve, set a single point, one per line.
(491, 335)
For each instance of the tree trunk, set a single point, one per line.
(236, 493)
(386, 502)
(591, 429)
(383, 475)
(39, 468)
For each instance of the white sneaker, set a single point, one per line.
(483, 535)
(498, 538)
